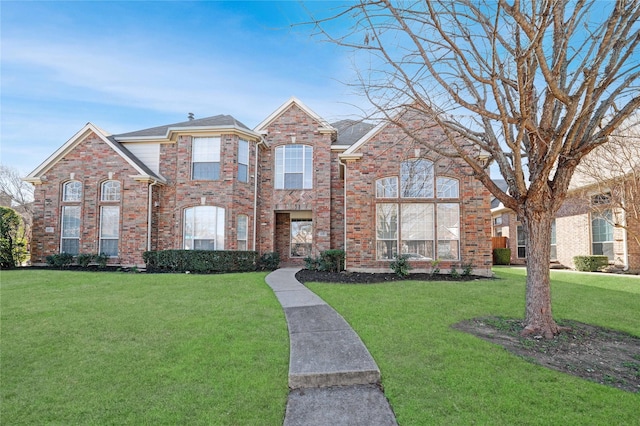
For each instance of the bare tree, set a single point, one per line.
(611, 172)
(17, 194)
(533, 85)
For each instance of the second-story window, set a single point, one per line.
(243, 161)
(294, 167)
(206, 159)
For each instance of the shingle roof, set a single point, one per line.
(350, 131)
(161, 131)
(502, 184)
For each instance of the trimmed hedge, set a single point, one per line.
(502, 256)
(590, 263)
(201, 261)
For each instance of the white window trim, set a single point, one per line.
(215, 159)
(240, 163)
(281, 171)
(219, 231)
(66, 194)
(104, 192)
(63, 228)
(117, 237)
(243, 238)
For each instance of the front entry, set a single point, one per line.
(294, 236)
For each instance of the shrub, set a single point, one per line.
(101, 259)
(61, 260)
(434, 267)
(401, 265)
(332, 260)
(84, 259)
(467, 269)
(201, 261)
(312, 263)
(590, 263)
(454, 272)
(269, 261)
(502, 256)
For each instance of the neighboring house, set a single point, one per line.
(591, 221)
(295, 184)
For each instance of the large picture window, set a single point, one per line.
(301, 237)
(416, 178)
(70, 232)
(417, 229)
(206, 158)
(72, 191)
(109, 230)
(294, 167)
(204, 228)
(448, 231)
(602, 234)
(387, 230)
(243, 161)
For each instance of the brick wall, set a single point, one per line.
(382, 157)
(81, 161)
(295, 126)
(182, 192)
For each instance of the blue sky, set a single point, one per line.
(129, 65)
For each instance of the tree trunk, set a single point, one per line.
(538, 317)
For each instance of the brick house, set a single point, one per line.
(295, 184)
(589, 222)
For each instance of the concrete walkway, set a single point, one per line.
(332, 377)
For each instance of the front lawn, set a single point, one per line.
(113, 348)
(434, 374)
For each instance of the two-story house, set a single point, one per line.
(295, 184)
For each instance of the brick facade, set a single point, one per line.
(382, 156)
(340, 200)
(574, 233)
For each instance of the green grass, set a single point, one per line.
(111, 348)
(433, 374)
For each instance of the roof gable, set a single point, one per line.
(144, 172)
(324, 125)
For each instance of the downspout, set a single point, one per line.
(625, 236)
(255, 194)
(155, 182)
(344, 215)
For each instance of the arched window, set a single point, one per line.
(387, 187)
(110, 191)
(204, 228)
(416, 178)
(72, 191)
(294, 167)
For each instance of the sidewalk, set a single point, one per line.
(332, 377)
